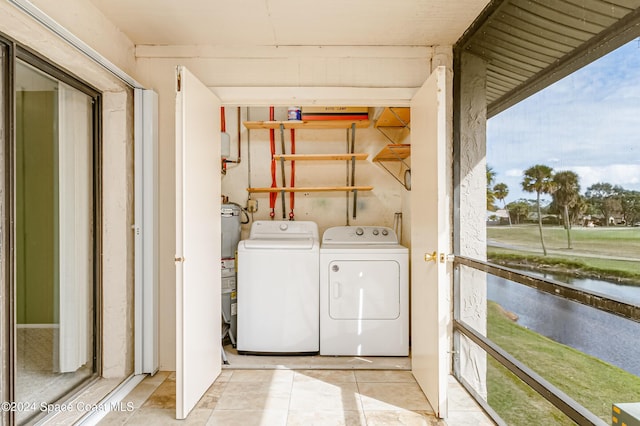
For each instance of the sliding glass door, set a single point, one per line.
(53, 238)
(6, 306)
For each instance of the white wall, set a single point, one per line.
(219, 68)
(88, 24)
(25, 30)
(326, 66)
(162, 80)
(117, 214)
(473, 291)
(118, 239)
(325, 208)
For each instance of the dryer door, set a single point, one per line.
(364, 289)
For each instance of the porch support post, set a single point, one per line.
(470, 361)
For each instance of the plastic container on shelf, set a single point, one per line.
(294, 113)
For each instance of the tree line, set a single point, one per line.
(600, 202)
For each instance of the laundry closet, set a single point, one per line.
(322, 264)
(374, 202)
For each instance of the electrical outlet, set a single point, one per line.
(252, 206)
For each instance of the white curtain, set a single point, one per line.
(75, 255)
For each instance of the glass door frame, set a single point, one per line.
(7, 323)
(8, 354)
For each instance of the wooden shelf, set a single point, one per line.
(394, 117)
(312, 189)
(394, 152)
(320, 157)
(313, 124)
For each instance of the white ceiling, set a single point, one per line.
(292, 22)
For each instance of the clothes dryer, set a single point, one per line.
(364, 292)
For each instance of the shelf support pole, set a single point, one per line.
(351, 151)
(353, 168)
(355, 202)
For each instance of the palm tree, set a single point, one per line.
(539, 179)
(491, 177)
(500, 192)
(566, 195)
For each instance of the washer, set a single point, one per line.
(364, 292)
(278, 296)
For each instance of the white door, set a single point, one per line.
(198, 340)
(431, 232)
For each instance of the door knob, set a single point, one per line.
(431, 257)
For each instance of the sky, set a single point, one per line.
(588, 122)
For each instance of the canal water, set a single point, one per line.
(605, 336)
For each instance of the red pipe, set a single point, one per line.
(292, 195)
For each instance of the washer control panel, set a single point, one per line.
(278, 229)
(360, 235)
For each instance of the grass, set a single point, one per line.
(591, 382)
(615, 270)
(597, 252)
(603, 242)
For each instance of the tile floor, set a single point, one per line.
(313, 362)
(298, 397)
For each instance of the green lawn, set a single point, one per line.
(621, 270)
(612, 252)
(591, 382)
(604, 242)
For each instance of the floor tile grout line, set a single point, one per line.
(224, 388)
(364, 414)
(359, 381)
(293, 380)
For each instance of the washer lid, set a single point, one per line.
(280, 244)
(283, 229)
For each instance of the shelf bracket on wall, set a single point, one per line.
(392, 117)
(397, 153)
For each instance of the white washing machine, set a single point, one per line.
(364, 292)
(277, 288)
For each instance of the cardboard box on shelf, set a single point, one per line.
(335, 113)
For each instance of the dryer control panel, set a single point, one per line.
(360, 235)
